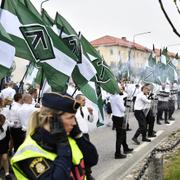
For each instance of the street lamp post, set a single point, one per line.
(42, 4)
(129, 54)
(139, 34)
(176, 44)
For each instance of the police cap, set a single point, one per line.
(60, 102)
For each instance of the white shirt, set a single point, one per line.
(3, 134)
(8, 92)
(163, 98)
(6, 112)
(24, 114)
(141, 102)
(117, 105)
(83, 121)
(137, 91)
(13, 115)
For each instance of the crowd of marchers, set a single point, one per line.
(57, 125)
(149, 103)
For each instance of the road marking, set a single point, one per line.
(171, 122)
(145, 143)
(159, 132)
(141, 146)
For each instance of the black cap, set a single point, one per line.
(60, 102)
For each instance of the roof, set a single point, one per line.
(114, 41)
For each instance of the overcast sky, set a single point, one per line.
(119, 18)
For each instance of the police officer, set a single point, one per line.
(54, 147)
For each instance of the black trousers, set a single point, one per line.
(171, 105)
(120, 134)
(150, 122)
(139, 115)
(18, 137)
(134, 99)
(178, 100)
(162, 107)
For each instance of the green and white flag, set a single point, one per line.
(85, 66)
(149, 74)
(47, 19)
(7, 53)
(56, 60)
(162, 68)
(93, 93)
(72, 40)
(104, 76)
(172, 72)
(164, 59)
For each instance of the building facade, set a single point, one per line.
(123, 55)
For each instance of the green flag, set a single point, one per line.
(46, 48)
(46, 18)
(103, 76)
(7, 53)
(85, 71)
(74, 42)
(172, 72)
(149, 74)
(94, 94)
(162, 67)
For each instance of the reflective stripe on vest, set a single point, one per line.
(30, 149)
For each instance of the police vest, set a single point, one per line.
(30, 149)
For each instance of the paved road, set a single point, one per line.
(109, 168)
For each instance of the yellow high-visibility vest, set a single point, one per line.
(30, 149)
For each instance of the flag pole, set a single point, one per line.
(43, 3)
(41, 85)
(1, 85)
(21, 82)
(74, 91)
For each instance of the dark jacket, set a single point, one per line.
(61, 167)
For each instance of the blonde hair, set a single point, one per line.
(40, 118)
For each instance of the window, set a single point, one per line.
(111, 51)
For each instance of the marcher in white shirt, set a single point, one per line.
(7, 103)
(140, 104)
(26, 111)
(172, 99)
(83, 116)
(4, 145)
(118, 113)
(34, 93)
(16, 128)
(8, 91)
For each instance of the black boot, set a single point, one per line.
(120, 156)
(135, 140)
(128, 150)
(146, 140)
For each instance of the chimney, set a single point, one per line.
(124, 38)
